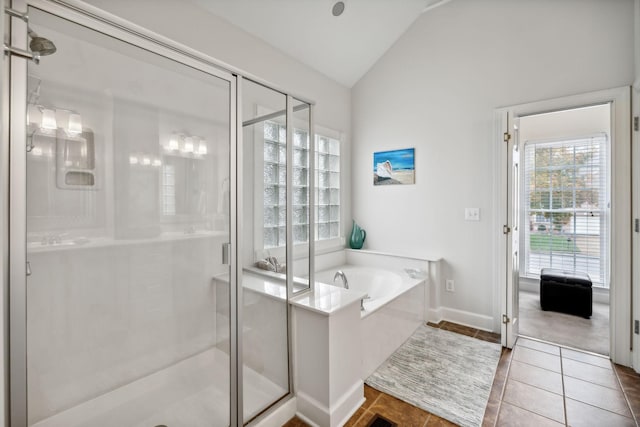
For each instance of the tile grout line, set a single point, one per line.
(591, 353)
(602, 409)
(561, 373)
(504, 387)
(564, 396)
(538, 388)
(518, 406)
(624, 394)
(540, 367)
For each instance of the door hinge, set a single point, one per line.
(636, 326)
(636, 225)
(506, 137)
(505, 319)
(506, 229)
(636, 123)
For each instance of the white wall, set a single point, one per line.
(436, 90)
(575, 123)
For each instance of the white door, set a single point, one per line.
(509, 330)
(620, 214)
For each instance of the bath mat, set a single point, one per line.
(447, 374)
(380, 421)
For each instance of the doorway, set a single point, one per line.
(565, 192)
(513, 212)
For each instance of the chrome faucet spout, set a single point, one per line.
(340, 274)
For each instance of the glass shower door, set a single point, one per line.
(127, 217)
(264, 303)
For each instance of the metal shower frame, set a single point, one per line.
(113, 26)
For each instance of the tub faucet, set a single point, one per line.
(343, 276)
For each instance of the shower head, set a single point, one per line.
(41, 45)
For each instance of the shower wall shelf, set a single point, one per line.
(105, 242)
(76, 161)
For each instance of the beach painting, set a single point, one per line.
(394, 167)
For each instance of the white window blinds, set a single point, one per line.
(566, 207)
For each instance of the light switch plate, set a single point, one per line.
(472, 214)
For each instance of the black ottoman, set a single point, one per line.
(566, 292)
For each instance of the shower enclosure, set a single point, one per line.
(146, 184)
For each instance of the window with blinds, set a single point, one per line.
(566, 207)
(327, 183)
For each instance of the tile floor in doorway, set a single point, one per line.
(536, 384)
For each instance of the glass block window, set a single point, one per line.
(168, 190)
(327, 186)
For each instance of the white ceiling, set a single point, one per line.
(343, 48)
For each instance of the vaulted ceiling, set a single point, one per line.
(342, 47)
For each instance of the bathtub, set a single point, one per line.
(395, 309)
(381, 285)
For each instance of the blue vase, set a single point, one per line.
(357, 237)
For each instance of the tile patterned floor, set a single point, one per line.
(549, 385)
(536, 384)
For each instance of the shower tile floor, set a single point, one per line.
(536, 384)
(191, 393)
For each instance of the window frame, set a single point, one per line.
(604, 172)
(321, 246)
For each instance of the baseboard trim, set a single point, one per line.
(279, 416)
(461, 317)
(435, 315)
(467, 318)
(311, 410)
(315, 413)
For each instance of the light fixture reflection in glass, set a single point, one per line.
(133, 160)
(49, 120)
(75, 124)
(157, 162)
(202, 148)
(173, 143)
(188, 145)
(146, 161)
(34, 115)
(37, 151)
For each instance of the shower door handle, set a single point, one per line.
(28, 269)
(226, 250)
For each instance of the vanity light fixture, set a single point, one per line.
(75, 124)
(188, 145)
(174, 145)
(185, 145)
(48, 119)
(143, 160)
(202, 148)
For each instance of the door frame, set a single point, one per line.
(620, 309)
